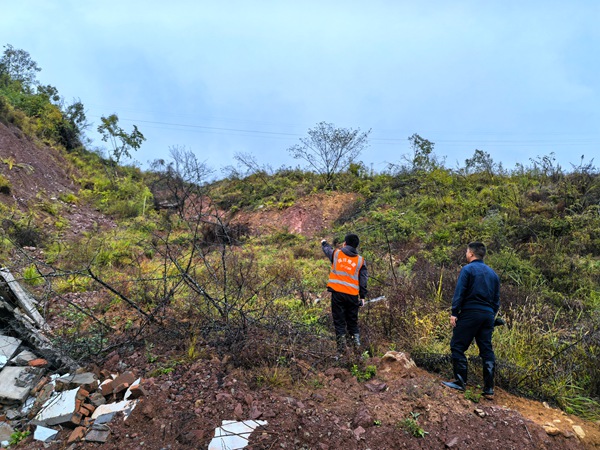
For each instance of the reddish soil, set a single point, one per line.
(328, 409)
(308, 216)
(38, 173)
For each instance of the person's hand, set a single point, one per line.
(453, 320)
(361, 302)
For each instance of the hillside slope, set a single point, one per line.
(41, 180)
(328, 409)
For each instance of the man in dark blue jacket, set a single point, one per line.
(474, 306)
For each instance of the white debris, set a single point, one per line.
(44, 434)
(105, 413)
(234, 435)
(58, 409)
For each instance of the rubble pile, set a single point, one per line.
(44, 391)
(72, 406)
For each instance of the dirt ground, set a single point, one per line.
(328, 409)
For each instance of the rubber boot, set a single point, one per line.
(460, 369)
(341, 343)
(356, 340)
(489, 368)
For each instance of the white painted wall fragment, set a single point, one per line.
(234, 435)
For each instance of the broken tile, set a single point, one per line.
(135, 391)
(44, 434)
(232, 434)
(105, 413)
(39, 362)
(107, 386)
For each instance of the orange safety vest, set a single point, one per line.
(343, 276)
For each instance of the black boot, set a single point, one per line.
(356, 340)
(341, 343)
(489, 368)
(460, 368)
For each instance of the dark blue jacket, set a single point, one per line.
(478, 287)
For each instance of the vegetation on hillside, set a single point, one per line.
(180, 263)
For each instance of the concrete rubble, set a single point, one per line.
(77, 404)
(45, 392)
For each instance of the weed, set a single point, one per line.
(316, 383)
(363, 375)
(160, 371)
(68, 198)
(473, 396)
(377, 423)
(17, 437)
(411, 425)
(149, 356)
(272, 376)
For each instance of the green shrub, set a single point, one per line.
(32, 276)
(5, 185)
(363, 375)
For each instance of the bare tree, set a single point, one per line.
(178, 180)
(330, 150)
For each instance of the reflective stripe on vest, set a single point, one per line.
(344, 273)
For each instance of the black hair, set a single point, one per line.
(478, 249)
(352, 240)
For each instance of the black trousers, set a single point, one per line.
(344, 309)
(473, 324)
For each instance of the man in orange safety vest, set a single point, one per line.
(348, 286)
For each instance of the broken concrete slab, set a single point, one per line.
(8, 347)
(17, 382)
(21, 297)
(58, 409)
(105, 413)
(44, 434)
(234, 435)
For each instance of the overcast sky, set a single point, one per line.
(515, 79)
